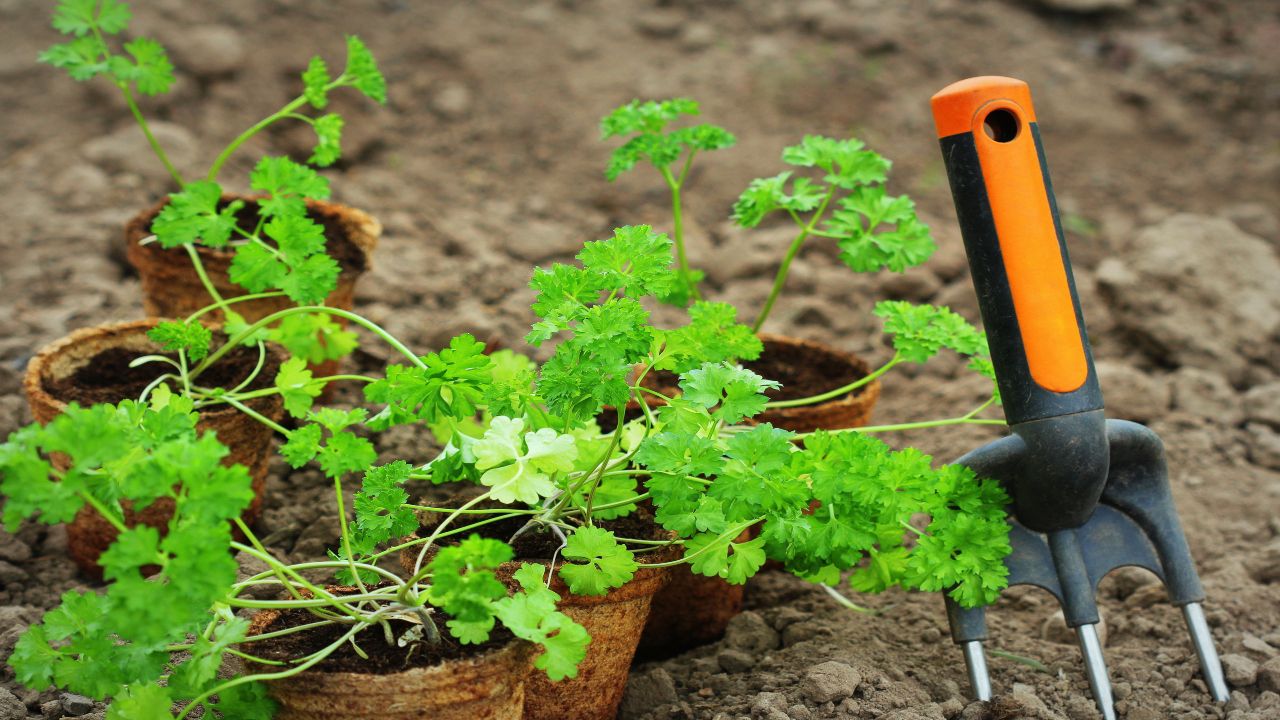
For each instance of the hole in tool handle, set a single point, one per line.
(1002, 125)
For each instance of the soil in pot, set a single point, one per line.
(445, 681)
(91, 365)
(805, 368)
(614, 620)
(171, 287)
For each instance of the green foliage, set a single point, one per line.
(449, 384)
(606, 563)
(193, 215)
(920, 331)
(314, 337)
(734, 391)
(531, 615)
(873, 230)
(521, 467)
(362, 71)
(342, 452)
(464, 586)
(645, 124)
(99, 644)
(146, 66)
(713, 335)
(189, 337)
(296, 387)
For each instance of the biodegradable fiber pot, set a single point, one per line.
(614, 621)
(248, 440)
(797, 364)
(490, 686)
(689, 611)
(171, 288)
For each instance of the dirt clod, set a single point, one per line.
(830, 682)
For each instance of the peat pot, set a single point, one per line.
(91, 366)
(613, 620)
(489, 685)
(171, 287)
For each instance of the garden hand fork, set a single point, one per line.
(1089, 494)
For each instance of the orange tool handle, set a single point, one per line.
(1017, 254)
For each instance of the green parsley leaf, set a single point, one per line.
(177, 335)
(714, 556)
(328, 140)
(737, 391)
(920, 331)
(315, 82)
(289, 185)
(606, 564)
(712, 335)
(192, 215)
(532, 615)
(362, 71)
(151, 69)
(82, 58)
(81, 17)
(296, 388)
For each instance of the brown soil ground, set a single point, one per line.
(487, 160)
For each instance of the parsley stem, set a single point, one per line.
(677, 218)
(102, 509)
(418, 572)
(838, 392)
(257, 415)
(218, 302)
(151, 138)
(785, 266)
(966, 419)
(254, 130)
(732, 532)
(260, 552)
(232, 301)
(274, 390)
(281, 314)
(234, 682)
(418, 541)
(346, 533)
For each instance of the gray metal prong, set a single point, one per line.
(1095, 666)
(1210, 665)
(975, 659)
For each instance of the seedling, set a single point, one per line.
(284, 254)
(525, 434)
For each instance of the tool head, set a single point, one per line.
(1089, 494)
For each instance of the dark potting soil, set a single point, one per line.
(803, 371)
(540, 543)
(107, 377)
(383, 658)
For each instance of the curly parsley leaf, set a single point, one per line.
(712, 335)
(765, 195)
(718, 556)
(605, 562)
(180, 336)
(531, 615)
(81, 17)
(83, 57)
(314, 337)
(451, 385)
(150, 69)
(734, 391)
(193, 214)
(289, 185)
(866, 242)
(464, 586)
(328, 140)
(362, 71)
(315, 83)
(920, 331)
(847, 164)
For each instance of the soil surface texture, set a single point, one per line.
(1159, 120)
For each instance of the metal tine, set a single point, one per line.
(975, 660)
(1095, 666)
(1210, 664)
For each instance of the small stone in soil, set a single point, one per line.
(51, 709)
(76, 705)
(735, 661)
(749, 632)
(1269, 675)
(830, 681)
(646, 691)
(11, 708)
(1240, 671)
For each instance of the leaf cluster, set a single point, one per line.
(120, 459)
(874, 231)
(644, 124)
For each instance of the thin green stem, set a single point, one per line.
(838, 392)
(280, 315)
(677, 229)
(966, 419)
(243, 137)
(232, 301)
(106, 513)
(151, 138)
(346, 533)
(780, 279)
(219, 302)
(732, 532)
(257, 416)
